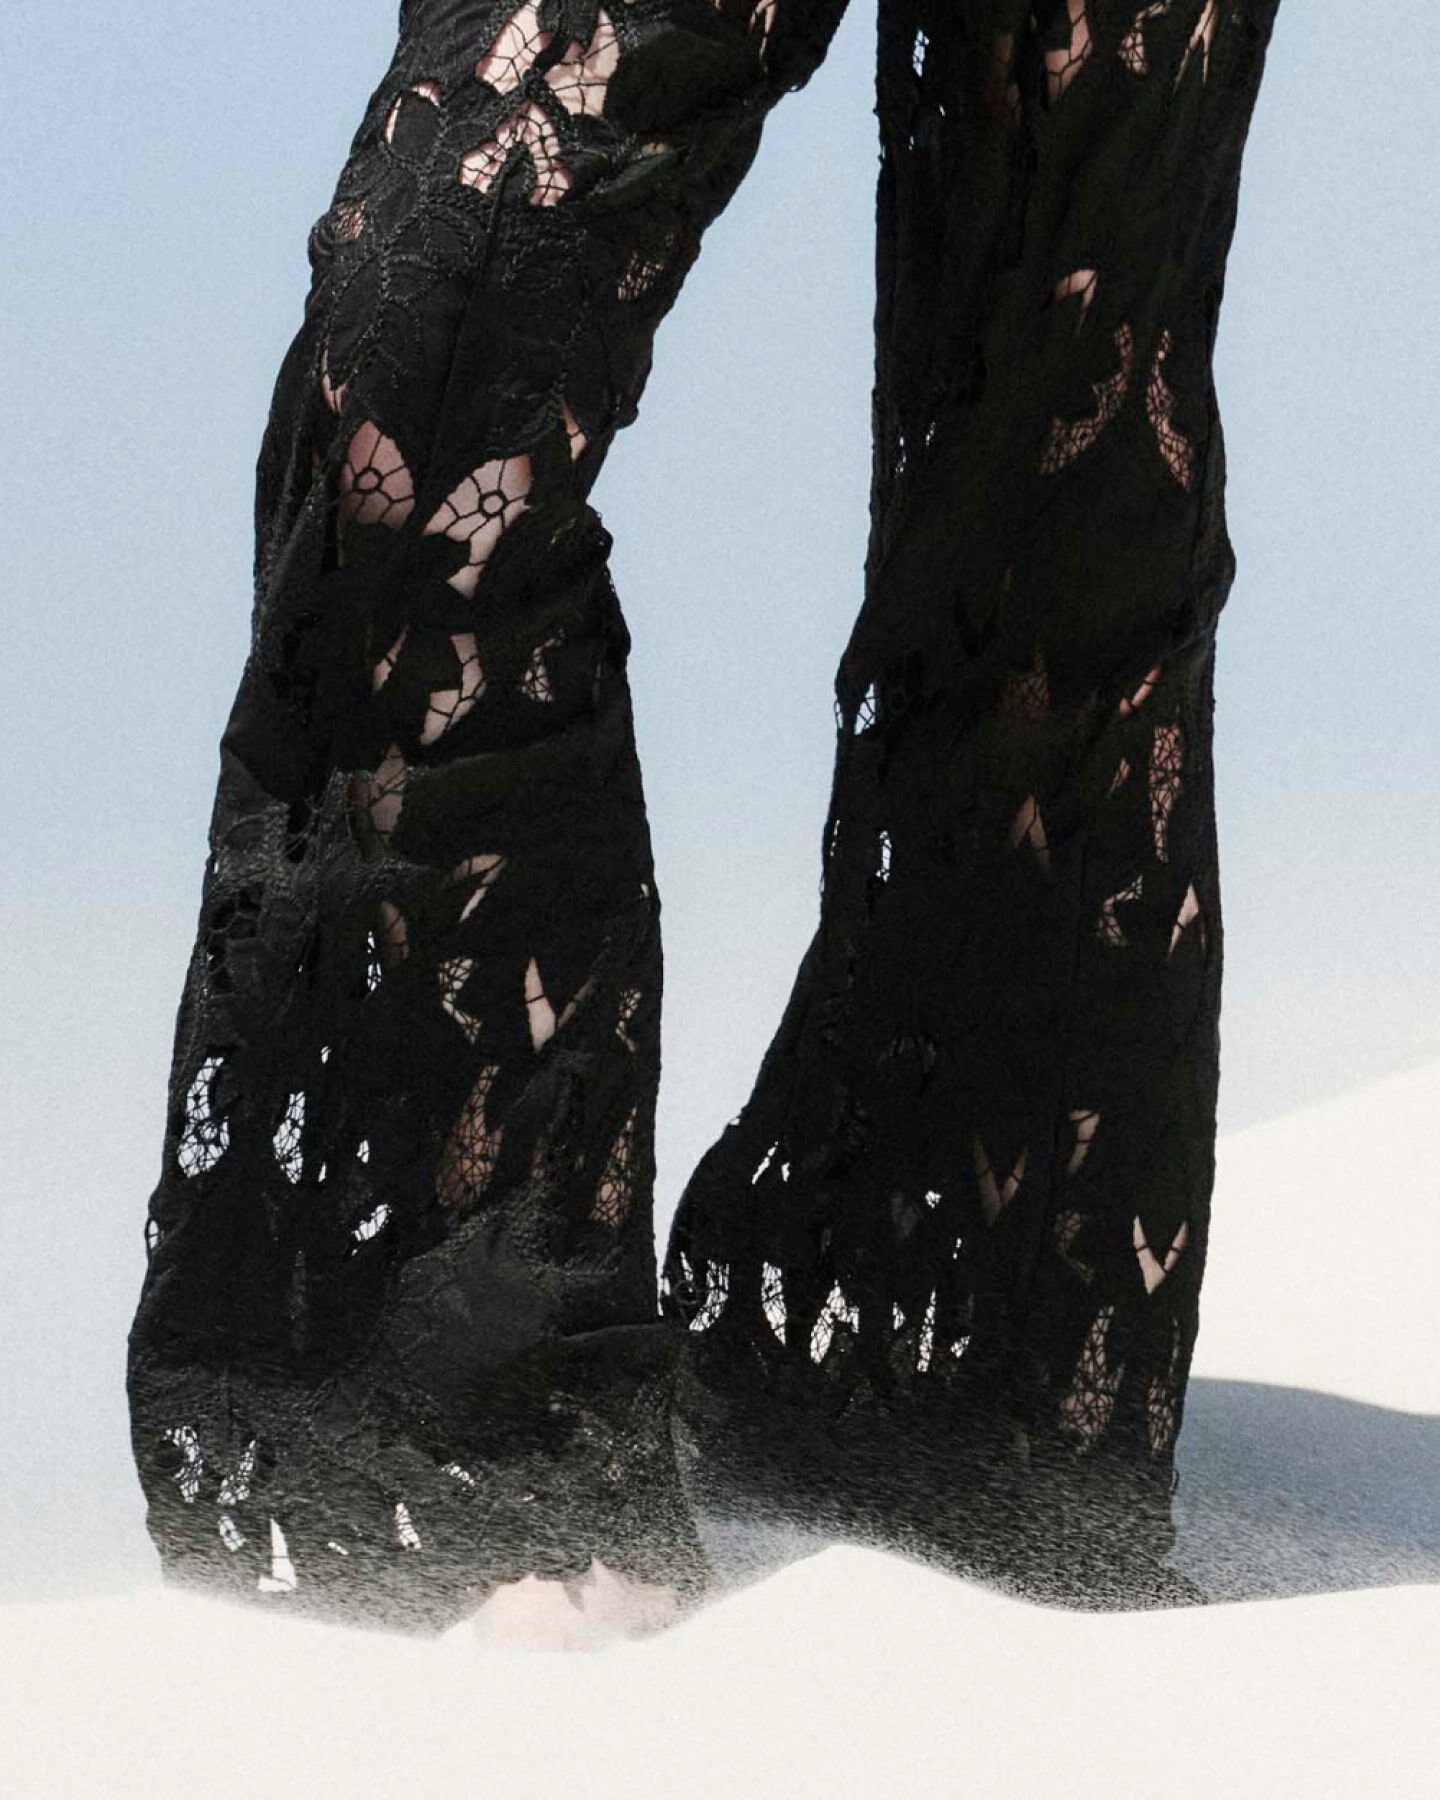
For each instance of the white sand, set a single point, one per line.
(1311, 1471)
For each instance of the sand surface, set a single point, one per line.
(1310, 1504)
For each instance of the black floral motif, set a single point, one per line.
(945, 1265)
(970, 1192)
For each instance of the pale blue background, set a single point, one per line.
(161, 166)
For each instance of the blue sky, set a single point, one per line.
(161, 168)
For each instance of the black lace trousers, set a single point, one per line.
(411, 1108)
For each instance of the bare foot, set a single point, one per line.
(587, 1612)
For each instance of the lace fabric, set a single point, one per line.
(403, 1226)
(409, 1154)
(971, 1187)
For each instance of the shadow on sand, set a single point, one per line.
(1283, 1491)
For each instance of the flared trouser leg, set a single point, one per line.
(402, 1234)
(952, 1246)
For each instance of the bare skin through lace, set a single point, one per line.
(412, 1114)
(1000, 1058)
(410, 1130)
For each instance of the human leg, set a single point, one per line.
(403, 1225)
(961, 1222)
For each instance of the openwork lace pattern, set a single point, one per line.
(971, 1186)
(409, 1151)
(411, 1120)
